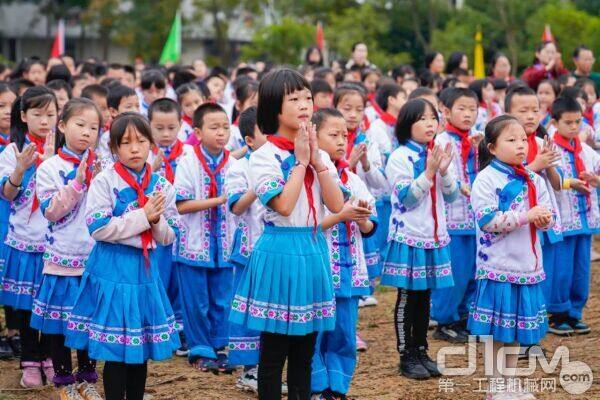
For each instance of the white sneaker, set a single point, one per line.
(367, 301)
(88, 391)
(70, 392)
(316, 396)
(433, 324)
(248, 380)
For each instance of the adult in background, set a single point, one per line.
(547, 64)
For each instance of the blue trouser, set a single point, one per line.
(334, 360)
(244, 343)
(205, 301)
(167, 276)
(450, 304)
(571, 276)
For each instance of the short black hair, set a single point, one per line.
(410, 113)
(59, 84)
(58, 72)
(118, 93)
(454, 94)
(578, 50)
(247, 122)
(385, 91)
(499, 83)
(94, 90)
(21, 83)
(583, 82)
(164, 105)
(119, 126)
(271, 91)
(477, 87)
(347, 88)
(554, 85)
(321, 72)
(181, 77)
(574, 92)
(563, 105)
(244, 71)
(187, 88)
(517, 91)
(320, 86)
(203, 110)
(153, 77)
(323, 114)
(419, 92)
(110, 83)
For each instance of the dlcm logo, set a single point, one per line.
(575, 377)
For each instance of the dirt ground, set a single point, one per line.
(376, 376)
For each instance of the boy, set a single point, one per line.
(322, 93)
(153, 86)
(580, 219)
(122, 99)
(450, 306)
(205, 274)
(389, 99)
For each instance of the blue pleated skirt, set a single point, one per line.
(121, 312)
(53, 303)
(286, 287)
(508, 312)
(415, 268)
(21, 277)
(384, 211)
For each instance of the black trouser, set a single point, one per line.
(411, 319)
(63, 365)
(35, 346)
(120, 379)
(274, 349)
(11, 318)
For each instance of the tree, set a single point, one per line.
(104, 16)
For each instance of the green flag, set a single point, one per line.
(172, 50)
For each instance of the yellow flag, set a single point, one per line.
(478, 63)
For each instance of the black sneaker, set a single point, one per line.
(15, 344)
(453, 333)
(411, 367)
(183, 350)
(6, 352)
(427, 362)
(579, 327)
(558, 325)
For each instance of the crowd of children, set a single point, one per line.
(241, 220)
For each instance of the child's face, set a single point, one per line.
(582, 103)
(100, 102)
(352, 108)
(153, 93)
(216, 87)
(78, 87)
(526, 109)
(487, 93)
(257, 141)
(6, 101)
(409, 86)
(323, 100)
(330, 78)
(396, 103)
(190, 101)
(41, 121)
(370, 82)
(134, 149)
(128, 79)
(511, 145)
(165, 127)
(251, 101)
(423, 131)
(463, 113)
(61, 97)
(333, 137)
(297, 107)
(36, 74)
(129, 104)
(214, 133)
(499, 96)
(568, 124)
(590, 90)
(81, 130)
(546, 95)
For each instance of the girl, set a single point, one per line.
(547, 92)
(121, 313)
(189, 97)
(418, 258)
(547, 64)
(488, 108)
(335, 352)
(34, 70)
(246, 94)
(62, 183)
(511, 203)
(33, 119)
(286, 291)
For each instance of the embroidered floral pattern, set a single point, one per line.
(183, 194)
(51, 312)
(285, 313)
(503, 320)
(25, 246)
(270, 186)
(98, 215)
(400, 237)
(519, 278)
(413, 272)
(63, 260)
(244, 343)
(19, 287)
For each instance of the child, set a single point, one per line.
(62, 184)
(246, 94)
(580, 219)
(189, 97)
(389, 99)
(511, 203)
(547, 92)
(241, 200)
(592, 110)
(164, 115)
(121, 313)
(62, 91)
(122, 99)
(204, 273)
(417, 258)
(216, 87)
(322, 93)
(286, 291)
(450, 305)
(33, 119)
(488, 108)
(99, 95)
(152, 87)
(34, 70)
(334, 360)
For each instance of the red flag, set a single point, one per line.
(58, 46)
(547, 35)
(320, 36)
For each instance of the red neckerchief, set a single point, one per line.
(574, 149)
(187, 119)
(352, 134)
(371, 98)
(309, 176)
(4, 139)
(176, 151)
(341, 166)
(213, 189)
(490, 108)
(433, 194)
(388, 118)
(588, 114)
(76, 161)
(39, 147)
(532, 151)
(237, 121)
(465, 146)
(366, 124)
(532, 197)
(141, 198)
